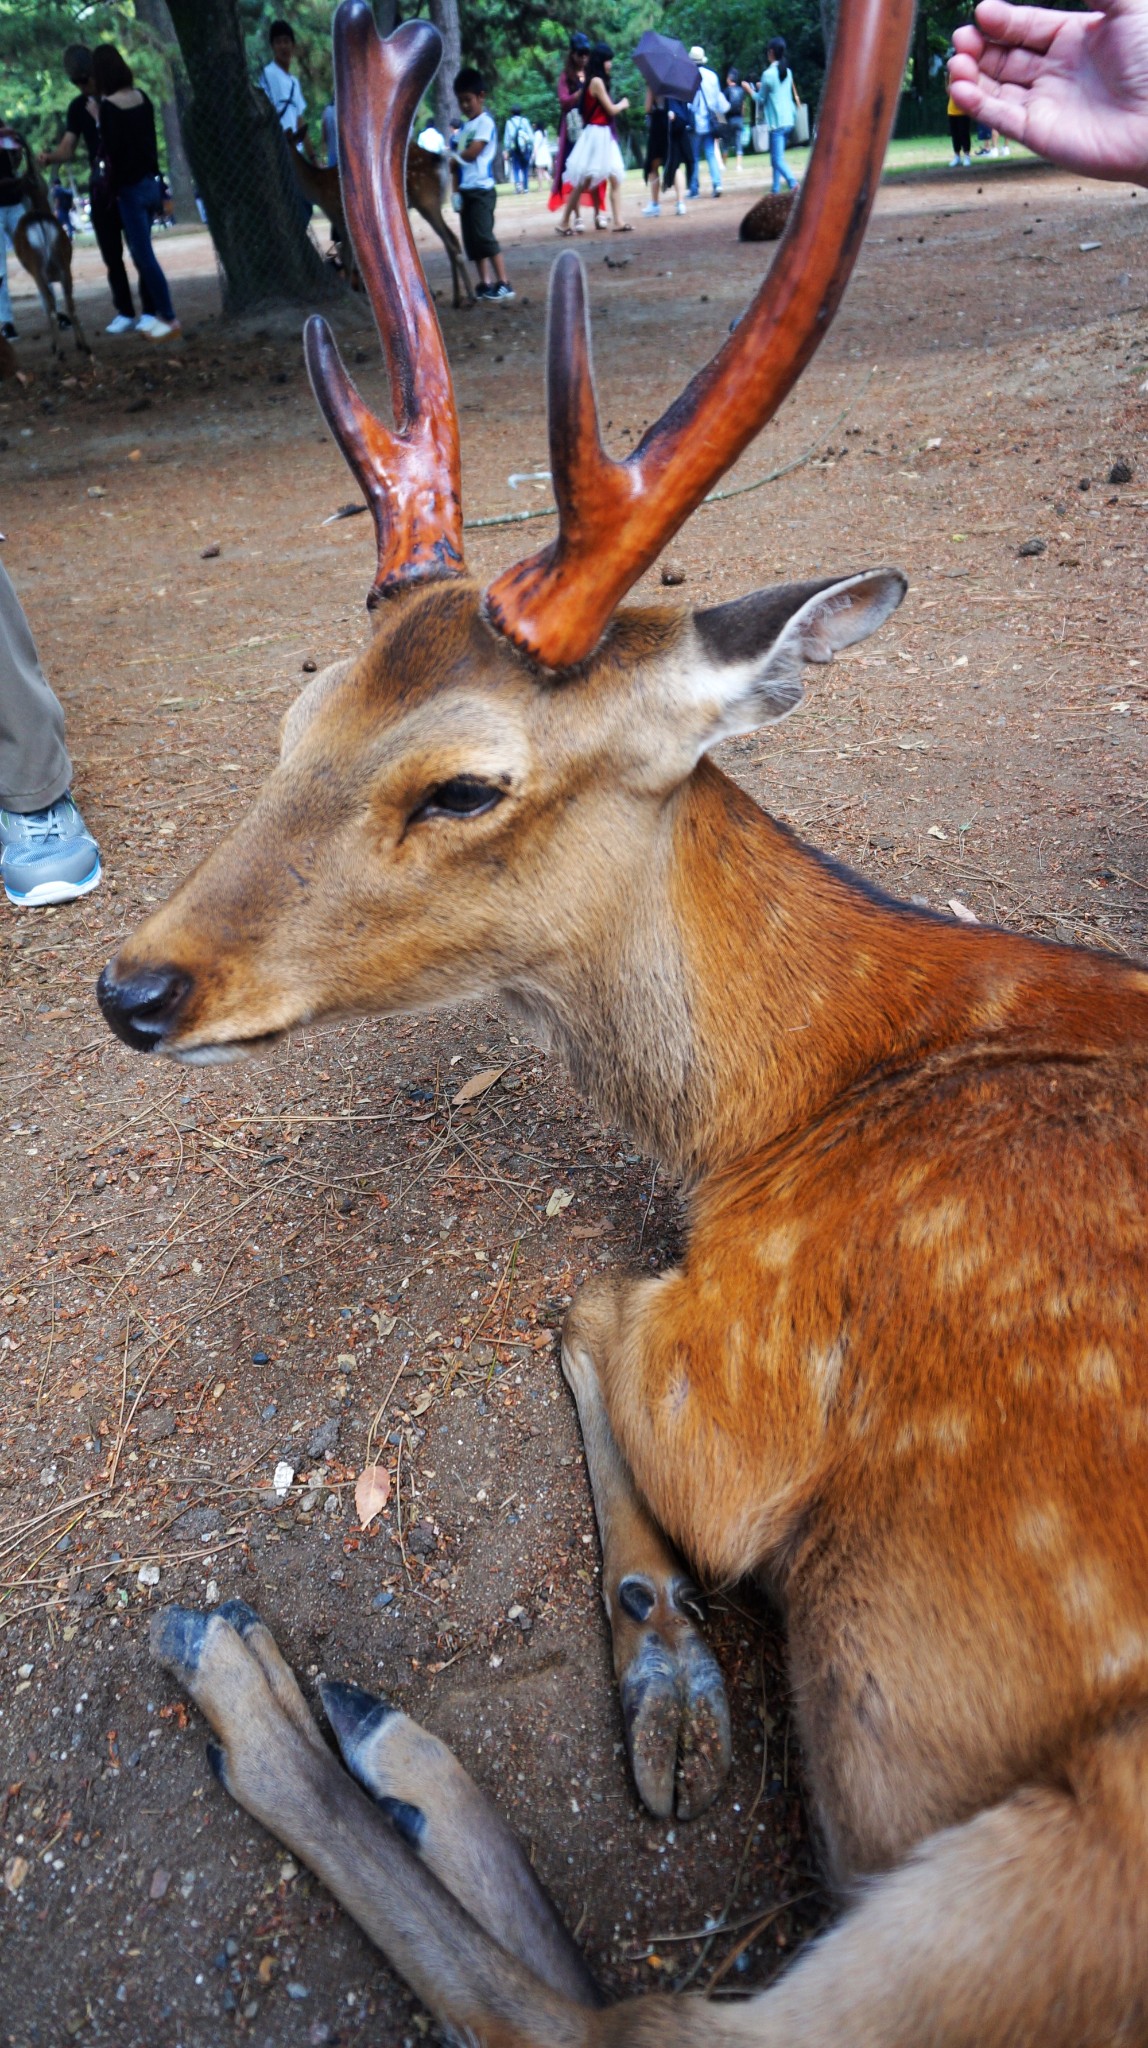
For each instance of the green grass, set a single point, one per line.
(932, 152)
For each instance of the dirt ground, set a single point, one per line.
(208, 1273)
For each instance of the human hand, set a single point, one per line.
(622, 106)
(1073, 87)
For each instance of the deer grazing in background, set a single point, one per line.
(44, 249)
(427, 187)
(901, 1372)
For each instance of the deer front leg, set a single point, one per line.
(272, 1759)
(674, 1704)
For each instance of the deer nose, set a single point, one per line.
(142, 1007)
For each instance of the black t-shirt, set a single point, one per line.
(82, 123)
(128, 138)
(735, 94)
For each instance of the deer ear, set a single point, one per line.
(751, 652)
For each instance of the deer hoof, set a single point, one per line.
(676, 1716)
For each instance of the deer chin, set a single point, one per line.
(226, 1052)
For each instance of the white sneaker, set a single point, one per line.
(122, 324)
(653, 208)
(954, 163)
(147, 323)
(163, 330)
(680, 207)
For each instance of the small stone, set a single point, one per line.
(382, 1599)
(283, 1478)
(325, 1438)
(155, 1424)
(148, 1575)
(309, 667)
(260, 1358)
(1032, 547)
(196, 1524)
(211, 1592)
(1085, 484)
(160, 1880)
(298, 1991)
(15, 1871)
(422, 1539)
(1120, 473)
(209, 554)
(673, 573)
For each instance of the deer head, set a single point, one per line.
(483, 801)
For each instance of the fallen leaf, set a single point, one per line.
(559, 1200)
(962, 912)
(935, 832)
(423, 1403)
(372, 1492)
(15, 1871)
(477, 1085)
(384, 1324)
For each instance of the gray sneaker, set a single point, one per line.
(47, 856)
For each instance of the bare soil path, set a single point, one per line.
(205, 1275)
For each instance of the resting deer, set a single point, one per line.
(901, 1373)
(426, 189)
(44, 249)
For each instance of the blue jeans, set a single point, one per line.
(778, 137)
(136, 203)
(707, 144)
(10, 218)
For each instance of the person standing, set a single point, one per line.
(960, 130)
(596, 158)
(543, 157)
(681, 153)
(14, 160)
(128, 146)
(47, 854)
(474, 157)
(657, 148)
(518, 148)
(283, 88)
(82, 125)
(735, 126)
(710, 107)
(570, 87)
(777, 97)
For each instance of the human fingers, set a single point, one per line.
(968, 42)
(1008, 116)
(1030, 28)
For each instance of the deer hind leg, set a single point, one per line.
(270, 1756)
(674, 1702)
(1026, 1925)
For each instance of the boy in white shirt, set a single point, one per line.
(283, 90)
(474, 156)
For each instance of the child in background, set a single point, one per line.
(474, 154)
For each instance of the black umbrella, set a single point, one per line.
(666, 66)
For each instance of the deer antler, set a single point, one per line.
(409, 476)
(615, 517)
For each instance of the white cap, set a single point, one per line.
(697, 54)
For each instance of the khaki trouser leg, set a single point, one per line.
(35, 767)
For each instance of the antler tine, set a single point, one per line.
(615, 517)
(409, 477)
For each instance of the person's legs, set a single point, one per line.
(694, 167)
(109, 236)
(9, 218)
(46, 853)
(680, 187)
(777, 155)
(135, 204)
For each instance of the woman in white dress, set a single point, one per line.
(595, 158)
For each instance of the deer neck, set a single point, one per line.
(741, 983)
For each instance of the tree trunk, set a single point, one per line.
(444, 14)
(921, 52)
(155, 14)
(242, 166)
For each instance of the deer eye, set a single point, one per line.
(464, 796)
